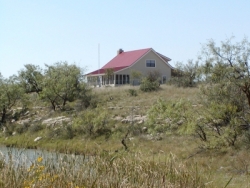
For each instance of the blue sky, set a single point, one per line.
(47, 31)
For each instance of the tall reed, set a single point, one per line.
(105, 170)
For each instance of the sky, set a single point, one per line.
(43, 32)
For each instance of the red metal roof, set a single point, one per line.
(126, 59)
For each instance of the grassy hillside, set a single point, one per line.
(147, 135)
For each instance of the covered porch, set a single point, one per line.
(103, 80)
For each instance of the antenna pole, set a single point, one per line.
(99, 77)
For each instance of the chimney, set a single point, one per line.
(119, 51)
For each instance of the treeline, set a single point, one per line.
(56, 85)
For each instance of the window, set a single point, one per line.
(150, 63)
(164, 79)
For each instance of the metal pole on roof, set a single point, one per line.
(99, 79)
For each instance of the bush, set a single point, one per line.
(147, 85)
(132, 92)
(21, 128)
(226, 114)
(68, 132)
(86, 100)
(92, 122)
(35, 128)
(171, 116)
(8, 129)
(151, 82)
(65, 131)
(185, 75)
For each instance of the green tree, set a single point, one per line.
(61, 84)
(86, 98)
(31, 78)
(93, 122)
(109, 73)
(151, 82)
(10, 94)
(186, 75)
(229, 64)
(226, 92)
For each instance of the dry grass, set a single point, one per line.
(119, 97)
(174, 161)
(120, 170)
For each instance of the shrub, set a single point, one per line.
(92, 122)
(185, 75)
(147, 85)
(65, 131)
(151, 82)
(35, 128)
(170, 116)
(87, 100)
(216, 124)
(132, 92)
(21, 128)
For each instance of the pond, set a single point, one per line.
(25, 157)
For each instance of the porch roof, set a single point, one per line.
(102, 71)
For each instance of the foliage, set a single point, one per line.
(31, 78)
(217, 124)
(35, 128)
(22, 128)
(38, 177)
(153, 76)
(10, 94)
(226, 93)
(65, 131)
(185, 75)
(86, 98)
(168, 116)
(135, 77)
(228, 64)
(109, 73)
(93, 122)
(132, 92)
(151, 82)
(62, 84)
(147, 86)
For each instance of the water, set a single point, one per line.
(26, 157)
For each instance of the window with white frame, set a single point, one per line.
(150, 63)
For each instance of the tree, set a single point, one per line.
(109, 73)
(10, 94)
(31, 78)
(186, 75)
(151, 82)
(93, 122)
(61, 84)
(135, 76)
(226, 92)
(229, 64)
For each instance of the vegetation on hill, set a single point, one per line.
(200, 120)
